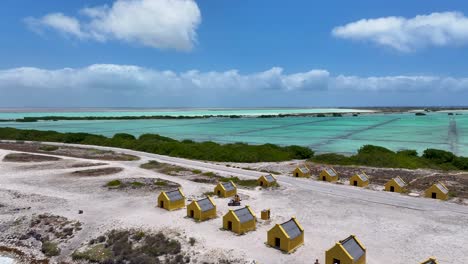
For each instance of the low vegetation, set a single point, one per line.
(50, 249)
(152, 143)
(375, 156)
(132, 247)
(142, 184)
(26, 157)
(48, 148)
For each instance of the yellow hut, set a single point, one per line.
(396, 184)
(266, 180)
(202, 209)
(348, 251)
(431, 260)
(302, 172)
(329, 175)
(359, 180)
(437, 191)
(171, 200)
(286, 236)
(240, 221)
(225, 189)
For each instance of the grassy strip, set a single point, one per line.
(375, 156)
(152, 143)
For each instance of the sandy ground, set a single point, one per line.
(394, 228)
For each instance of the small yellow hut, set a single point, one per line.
(359, 180)
(431, 260)
(225, 189)
(347, 251)
(286, 236)
(171, 200)
(266, 180)
(329, 175)
(301, 172)
(240, 221)
(396, 184)
(202, 209)
(437, 191)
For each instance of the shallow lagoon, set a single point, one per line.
(323, 134)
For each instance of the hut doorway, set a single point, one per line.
(229, 225)
(261, 183)
(277, 242)
(392, 188)
(355, 183)
(434, 195)
(161, 204)
(219, 193)
(324, 178)
(297, 174)
(192, 213)
(336, 261)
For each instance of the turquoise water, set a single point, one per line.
(327, 134)
(12, 114)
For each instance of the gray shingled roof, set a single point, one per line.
(174, 195)
(228, 186)
(270, 178)
(330, 172)
(304, 169)
(363, 176)
(291, 229)
(399, 181)
(352, 247)
(442, 188)
(205, 204)
(244, 215)
(429, 261)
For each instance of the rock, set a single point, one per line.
(80, 211)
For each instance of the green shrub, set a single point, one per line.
(124, 136)
(48, 148)
(50, 249)
(160, 183)
(98, 253)
(114, 183)
(137, 184)
(438, 156)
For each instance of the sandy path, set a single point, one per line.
(394, 228)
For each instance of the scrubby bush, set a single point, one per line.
(50, 249)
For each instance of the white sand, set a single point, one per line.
(394, 228)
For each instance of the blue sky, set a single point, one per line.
(161, 53)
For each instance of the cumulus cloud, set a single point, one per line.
(164, 24)
(130, 77)
(409, 34)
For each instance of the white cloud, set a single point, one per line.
(164, 24)
(409, 34)
(128, 85)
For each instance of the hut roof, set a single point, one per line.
(304, 169)
(270, 178)
(430, 261)
(174, 195)
(442, 187)
(228, 186)
(243, 214)
(399, 181)
(291, 228)
(363, 176)
(205, 204)
(330, 172)
(352, 247)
